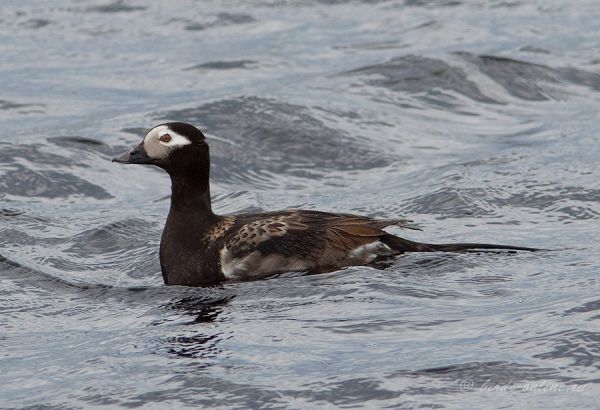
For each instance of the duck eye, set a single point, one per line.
(164, 138)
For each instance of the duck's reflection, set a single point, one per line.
(203, 309)
(197, 338)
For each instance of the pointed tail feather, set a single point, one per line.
(404, 245)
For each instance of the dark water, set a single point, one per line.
(478, 119)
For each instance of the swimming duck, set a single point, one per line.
(200, 248)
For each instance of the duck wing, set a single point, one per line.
(260, 245)
(263, 244)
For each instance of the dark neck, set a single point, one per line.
(190, 193)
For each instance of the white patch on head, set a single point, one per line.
(155, 148)
(177, 140)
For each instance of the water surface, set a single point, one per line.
(478, 120)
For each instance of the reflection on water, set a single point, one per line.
(476, 119)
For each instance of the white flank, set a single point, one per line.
(227, 263)
(256, 265)
(366, 253)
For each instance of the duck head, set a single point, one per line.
(176, 147)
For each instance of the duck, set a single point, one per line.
(200, 248)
